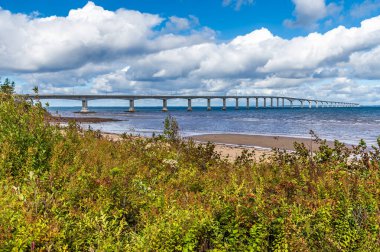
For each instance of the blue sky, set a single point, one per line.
(229, 20)
(313, 48)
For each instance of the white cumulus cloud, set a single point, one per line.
(308, 12)
(124, 51)
(88, 34)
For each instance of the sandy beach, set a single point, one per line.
(228, 145)
(232, 145)
(225, 150)
(268, 142)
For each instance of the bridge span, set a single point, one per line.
(280, 100)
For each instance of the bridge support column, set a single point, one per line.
(247, 103)
(271, 102)
(309, 104)
(164, 105)
(291, 103)
(278, 102)
(283, 102)
(237, 104)
(208, 104)
(316, 104)
(131, 105)
(257, 102)
(301, 104)
(84, 106)
(189, 108)
(265, 102)
(224, 104)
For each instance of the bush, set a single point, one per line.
(70, 189)
(7, 87)
(26, 139)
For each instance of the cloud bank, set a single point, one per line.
(124, 51)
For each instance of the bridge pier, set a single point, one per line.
(309, 104)
(247, 103)
(237, 104)
(224, 104)
(208, 104)
(131, 106)
(301, 104)
(84, 106)
(283, 102)
(257, 102)
(316, 104)
(265, 102)
(189, 108)
(291, 103)
(164, 105)
(278, 102)
(271, 102)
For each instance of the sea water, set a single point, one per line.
(348, 125)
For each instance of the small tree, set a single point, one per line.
(8, 87)
(171, 128)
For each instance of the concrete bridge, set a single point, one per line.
(268, 101)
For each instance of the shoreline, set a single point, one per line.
(231, 146)
(62, 119)
(229, 151)
(262, 142)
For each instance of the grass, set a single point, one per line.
(70, 189)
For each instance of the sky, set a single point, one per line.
(302, 48)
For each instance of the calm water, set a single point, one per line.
(345, 124)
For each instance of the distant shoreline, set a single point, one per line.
(61, 119)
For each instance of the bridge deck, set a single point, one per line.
(164, 98)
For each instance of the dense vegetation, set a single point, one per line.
(69, 189)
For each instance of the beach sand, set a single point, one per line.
(225, 150)
(232, 145)
(269, 142)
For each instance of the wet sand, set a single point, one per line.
(269, 142)
(231, 146)
(226, 151)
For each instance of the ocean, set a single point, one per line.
(348, 125)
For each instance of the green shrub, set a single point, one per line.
(70, 189)
(26, 139)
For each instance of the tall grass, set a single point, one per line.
(69, 189)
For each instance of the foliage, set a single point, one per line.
(171, 128)
(7, 87)
(70, 189)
